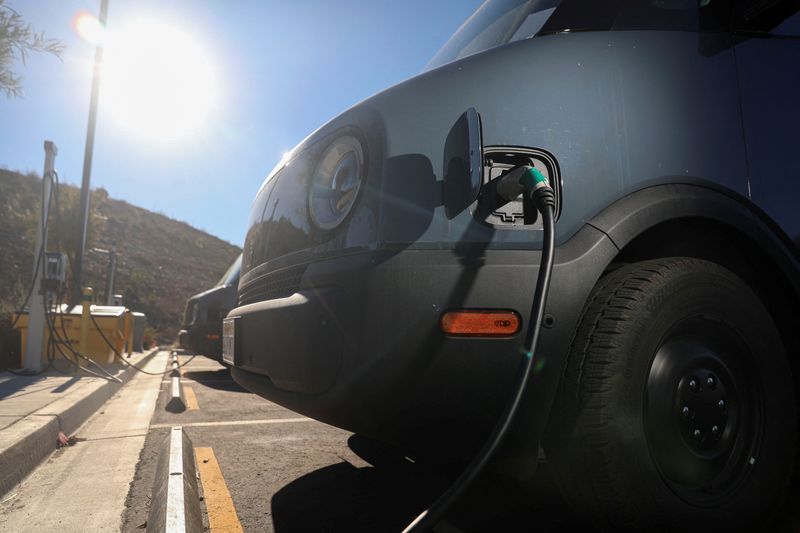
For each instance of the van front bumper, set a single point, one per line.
(359, 346)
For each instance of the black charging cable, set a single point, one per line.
(530, 182)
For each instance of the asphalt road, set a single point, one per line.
(286, 473)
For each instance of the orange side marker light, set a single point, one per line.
(480, 323)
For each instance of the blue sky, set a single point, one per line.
(281, 68)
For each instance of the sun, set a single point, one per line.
(156, 81)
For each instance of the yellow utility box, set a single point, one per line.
(114, 324)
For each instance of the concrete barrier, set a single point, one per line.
(175, 502)
(176, 403)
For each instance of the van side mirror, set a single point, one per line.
(463, 163)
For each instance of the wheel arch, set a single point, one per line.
(700, 222)
(679, 220)
(628, 220)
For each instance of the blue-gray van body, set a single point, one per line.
(201, 327)
(647, 127)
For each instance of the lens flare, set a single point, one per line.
(88, 27)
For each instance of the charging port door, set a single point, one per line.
(463, 163)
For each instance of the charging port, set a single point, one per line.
(498, 160)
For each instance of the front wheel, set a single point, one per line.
(677, 410)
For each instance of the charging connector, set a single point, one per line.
(531, 183)
(523, 179)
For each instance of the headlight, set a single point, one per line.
(335, 182)
(190, 313)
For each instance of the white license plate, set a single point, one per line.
(228, 340)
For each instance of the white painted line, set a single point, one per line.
(176, 516)
(176, 387)
(238, 422)
(201, 381)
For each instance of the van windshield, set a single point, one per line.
(496, 22)
(231, 277)
(499, 22)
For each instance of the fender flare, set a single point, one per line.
(631, 215)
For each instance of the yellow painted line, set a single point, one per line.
(222, 516)
(191, 399)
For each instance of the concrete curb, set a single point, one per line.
(175, 502)
(67, 414)
(176, 403)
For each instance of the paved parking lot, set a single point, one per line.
(285, 473)
(264, 468)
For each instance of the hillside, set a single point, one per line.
(160, 262)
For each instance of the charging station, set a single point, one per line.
(34, 345)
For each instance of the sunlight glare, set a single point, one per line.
(157, 82)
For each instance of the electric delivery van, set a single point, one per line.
(201, 331)
(385, 285)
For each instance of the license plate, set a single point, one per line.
(229, 340)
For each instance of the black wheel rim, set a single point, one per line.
(703, 411)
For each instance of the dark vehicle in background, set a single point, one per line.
(665, 385)
(201, 331)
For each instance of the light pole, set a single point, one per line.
(77, 272)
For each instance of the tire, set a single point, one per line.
(625, 453)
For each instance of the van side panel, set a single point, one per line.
(769, 77)
(619, 111)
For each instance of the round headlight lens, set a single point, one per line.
(336, 182)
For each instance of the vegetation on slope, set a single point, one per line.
(160, 261)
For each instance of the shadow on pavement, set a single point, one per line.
(67, 384)
(378, 454)
(388, 495)
(215, 379)
(15, 383)
(342, 497)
